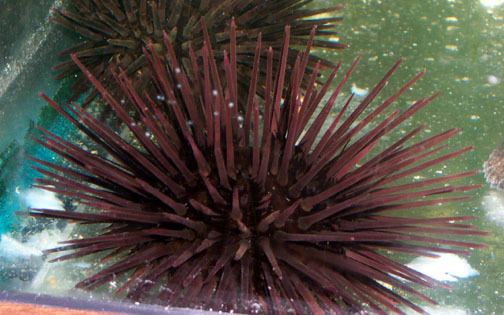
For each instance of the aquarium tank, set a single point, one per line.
(252, 156)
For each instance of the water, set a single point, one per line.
(27, 37)
(458, 42)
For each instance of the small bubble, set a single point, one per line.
(179, 86)
(491, 3)
(255, 308)
(216, 113)
(451, 47)
(123, 101)
(493, 80)
(231, 104)
(177, 70)
(215, 93)
(160, 97)
(358, 91)
(240, 118)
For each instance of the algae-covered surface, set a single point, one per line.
(459, 43)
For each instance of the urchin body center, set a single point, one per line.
(251, 217)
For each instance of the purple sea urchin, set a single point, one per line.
(115, 32)
(204, 208)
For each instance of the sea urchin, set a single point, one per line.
(115, 31)
(206, 206)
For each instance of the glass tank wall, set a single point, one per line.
(458, 43)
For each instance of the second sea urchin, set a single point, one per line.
(207, 206)
(114, 32)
